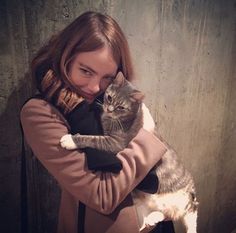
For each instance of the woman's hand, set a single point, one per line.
(148, 122)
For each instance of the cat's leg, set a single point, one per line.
(147, 217)
(190, 222)
(106, 143)
(152, 219)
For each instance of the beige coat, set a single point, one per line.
(106, 195)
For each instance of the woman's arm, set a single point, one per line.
(43, 127)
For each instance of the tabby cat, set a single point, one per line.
(121, 120)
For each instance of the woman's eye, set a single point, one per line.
(107, 80)
(86, 72)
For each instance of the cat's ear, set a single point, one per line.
(119, 80)
(137, 96)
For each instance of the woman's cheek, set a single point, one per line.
(104, 85)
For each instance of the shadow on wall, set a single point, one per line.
(43, 192)
(226, 179)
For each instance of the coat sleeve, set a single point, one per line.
(43, 127)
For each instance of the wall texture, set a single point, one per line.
(184, 52)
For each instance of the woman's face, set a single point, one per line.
(92, 72)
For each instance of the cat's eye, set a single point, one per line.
(109, 98)
(121, 108)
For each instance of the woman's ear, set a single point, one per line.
(120, 79)
(137, 96)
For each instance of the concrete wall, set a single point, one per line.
(184, 52)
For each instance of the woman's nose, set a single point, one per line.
(94, 86)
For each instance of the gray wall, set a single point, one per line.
(184, 52)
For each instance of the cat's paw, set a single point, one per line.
(153, 218)
(67, 142)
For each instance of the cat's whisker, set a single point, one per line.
(99, 103)
(120, 124)
(115, 125)
(112, 125)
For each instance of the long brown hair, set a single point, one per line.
(89, 32)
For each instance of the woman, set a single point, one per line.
(76, 66)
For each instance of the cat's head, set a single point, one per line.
(122, 100)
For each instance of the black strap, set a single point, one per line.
(81, 217)
(23, 179)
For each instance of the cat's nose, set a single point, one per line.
(110, 108)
